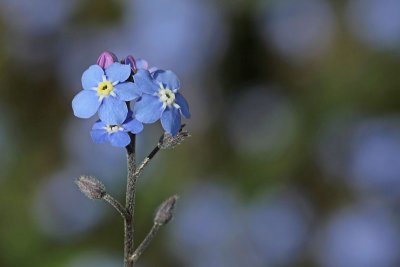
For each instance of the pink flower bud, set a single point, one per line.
(130, 60)
(106, 59)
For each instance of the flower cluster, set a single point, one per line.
(127, 94)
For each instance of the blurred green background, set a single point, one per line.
(294, 158)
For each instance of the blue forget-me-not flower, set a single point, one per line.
(108, 88)
(105, 91)
(117, 135)
(160, 99)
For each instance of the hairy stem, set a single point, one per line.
(146, 161)
(131, 256)
(118, 206)
(130, 203)
(145, 243)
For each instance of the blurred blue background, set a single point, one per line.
(294, 158)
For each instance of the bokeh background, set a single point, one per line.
(294, 158)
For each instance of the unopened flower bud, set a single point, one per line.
(130, 60)
(91, 187)
(165, 211)
(142, 64)
(106, 59)
(168, 141)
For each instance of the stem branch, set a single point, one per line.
(146, 161)
(118, 206)
(145, 243)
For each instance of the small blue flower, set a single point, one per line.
(105, 91)
(160, 99)
(117, 135)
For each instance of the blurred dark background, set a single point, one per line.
(294, 158)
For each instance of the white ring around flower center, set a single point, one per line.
(105, 88)
(113, 128)
(166, 95)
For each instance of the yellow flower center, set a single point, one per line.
(105, 88)
(166, 96)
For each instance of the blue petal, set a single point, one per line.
(153, 69)
(142, 64)
(133, 126)
(181, 101)
(85, 104)
(120, 139)
(99, 136)
(99, 125)
(113, 111)
(168, 78)
(145, 82)
(127, 91)
(118, 72)
(171, 120)
(92, 76)
(148, 109)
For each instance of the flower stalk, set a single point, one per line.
(130, 203)
(127, 94)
